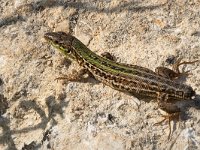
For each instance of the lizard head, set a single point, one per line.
(61, 41)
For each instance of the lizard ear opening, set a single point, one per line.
(65, 50)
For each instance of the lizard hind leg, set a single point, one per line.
(175, 71)
(169, 118)
(179, 63)
(173, 111)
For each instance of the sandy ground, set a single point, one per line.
(38, 112)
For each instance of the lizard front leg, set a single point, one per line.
(76, 75)
(108, 55)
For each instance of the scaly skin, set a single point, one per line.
(140, 81)
(124, 77)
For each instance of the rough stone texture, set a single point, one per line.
(38, 112)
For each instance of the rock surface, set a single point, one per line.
(38, 112)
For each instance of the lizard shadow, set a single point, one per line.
(6, 134)
(54, 107)
(186, 105)
(197, 102)
(39, 6)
